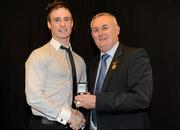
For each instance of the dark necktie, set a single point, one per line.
(73, 68)
(100, 81)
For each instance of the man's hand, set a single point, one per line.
(87, 101)
(76, 120)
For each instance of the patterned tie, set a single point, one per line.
(73, 73)
(99, 82)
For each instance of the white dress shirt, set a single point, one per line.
(49, 81)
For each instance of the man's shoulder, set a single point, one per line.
(128, 50)
(79, 57)
(39, 52)
(42, 48)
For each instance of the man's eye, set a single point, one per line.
(105, 28)
(57, 20)
(95, 30)
(67, 19)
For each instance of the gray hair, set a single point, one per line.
(104, 14)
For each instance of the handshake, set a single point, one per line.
(76, 120)
(85, 100)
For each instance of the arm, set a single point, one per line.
(35, 94)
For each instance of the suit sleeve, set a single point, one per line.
(137, 87)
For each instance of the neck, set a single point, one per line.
(64, 42)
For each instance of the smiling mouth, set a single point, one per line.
(62, 30)
(102, 39)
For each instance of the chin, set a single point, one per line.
(103, 50)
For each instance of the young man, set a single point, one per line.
(120, 80)
(51, 73)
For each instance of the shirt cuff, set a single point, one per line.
(64, 116)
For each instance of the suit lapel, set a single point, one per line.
(114, 66)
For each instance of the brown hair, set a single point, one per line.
(55, 5)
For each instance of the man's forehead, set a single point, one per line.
(61, 11)
(101, 22)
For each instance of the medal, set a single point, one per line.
(114, 65)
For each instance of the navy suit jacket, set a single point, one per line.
(127, 90)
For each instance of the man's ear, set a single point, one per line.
(118, 30)
(49, 24)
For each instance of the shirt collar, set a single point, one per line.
(112, 51)
(56, 44)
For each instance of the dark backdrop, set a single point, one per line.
(152, 25)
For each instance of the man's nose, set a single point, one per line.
(62, 23)
(100, 32)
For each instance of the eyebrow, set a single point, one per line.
(104, 25)
(101, 25)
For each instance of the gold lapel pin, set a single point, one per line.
(114, 65)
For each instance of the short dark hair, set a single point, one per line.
(55, 5)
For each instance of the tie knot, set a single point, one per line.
(105, 57)
(67, 49)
